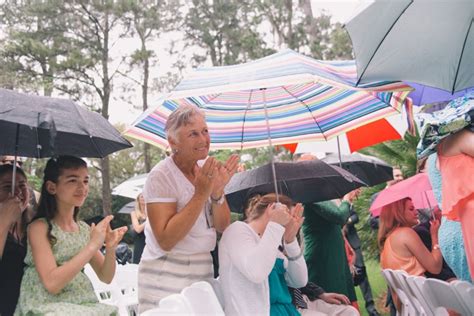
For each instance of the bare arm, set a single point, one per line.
(54, 277)
(104, 266)
(223, 174)
(137, 227)
(221, 216)
(431, 261)
(170, 226)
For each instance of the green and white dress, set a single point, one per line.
(76, 298)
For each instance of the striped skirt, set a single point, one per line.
(169, 274)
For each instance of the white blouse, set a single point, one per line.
(167, 184)
(245, 262)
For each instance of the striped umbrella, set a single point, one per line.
(286, 97)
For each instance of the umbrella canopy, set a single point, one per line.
(132, 187)
(127, 208)
(391, 128)
(418, 188)
(371, 170)
(35, 126)
(427, 95)
(301, 99)
(303, 181)
(422, 41)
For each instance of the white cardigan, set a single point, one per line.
(246, 260)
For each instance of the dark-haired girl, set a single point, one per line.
(12, 236)
(59, 246)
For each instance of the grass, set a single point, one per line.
(379, 289)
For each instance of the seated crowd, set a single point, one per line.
(263, 269)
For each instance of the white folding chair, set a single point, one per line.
(443, 295)
(416, 286)
(176, 304)
(465, 292)
(401, 279)
(407, 308)
(126, 278)
(202, 299)
(106, 293)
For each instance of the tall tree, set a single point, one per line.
(147, 21)
(95, 27)
(35, 44)
(227, 30)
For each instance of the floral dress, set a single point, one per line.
(76, 298)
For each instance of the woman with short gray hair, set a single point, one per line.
(184, 195)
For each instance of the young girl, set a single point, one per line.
(59, 246)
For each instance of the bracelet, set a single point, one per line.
(218, 201)
(295, 257)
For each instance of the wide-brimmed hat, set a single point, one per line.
(436, 126)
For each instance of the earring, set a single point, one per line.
(174, 150)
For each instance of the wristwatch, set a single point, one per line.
(218, 201)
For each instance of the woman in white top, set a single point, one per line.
(185, 205)
(248, 252)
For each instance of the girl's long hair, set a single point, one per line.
(392, 216)
(47, 206)
(8, 168)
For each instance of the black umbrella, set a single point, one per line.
(369, 169)
(304, 181)
(35, 126)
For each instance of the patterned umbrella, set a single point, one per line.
(286, 97)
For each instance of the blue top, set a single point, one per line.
(450, 235)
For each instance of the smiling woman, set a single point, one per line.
(185, 204)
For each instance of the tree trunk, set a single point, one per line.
(105, 164)
(146, 75)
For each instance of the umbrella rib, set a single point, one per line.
(380, 42)
(460, 57)
(309, 110)
(243, 121)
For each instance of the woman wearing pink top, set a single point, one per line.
(401, 247)
(456, 165)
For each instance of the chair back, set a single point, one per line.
(465, 292)
(444, 295)
(202, 299)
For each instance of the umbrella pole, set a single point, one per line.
(270, 144)
(339, 151)
(17, 136)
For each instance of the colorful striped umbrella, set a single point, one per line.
(300, 98)
(391, 128)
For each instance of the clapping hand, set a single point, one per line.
(10, 210)
(113, 237)
(294, 225)
(279, 213)
(223, 174)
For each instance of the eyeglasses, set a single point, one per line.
(11, 162)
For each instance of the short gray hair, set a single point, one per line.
(181, 117)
